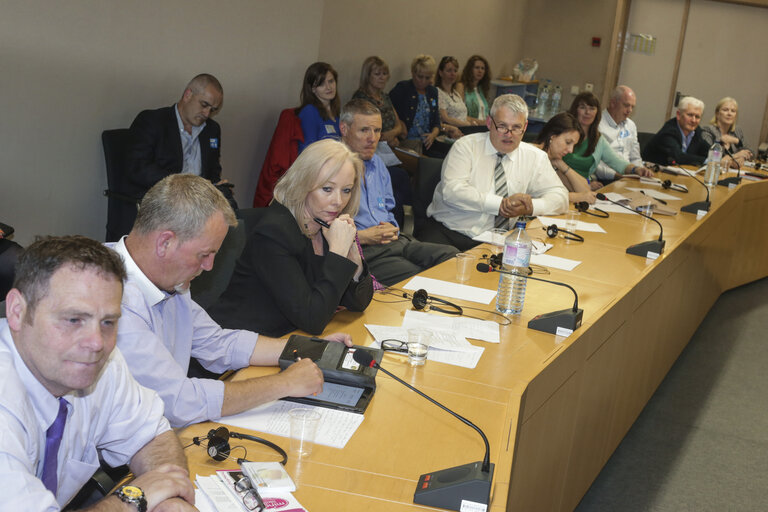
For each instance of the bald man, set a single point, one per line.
(619, 130)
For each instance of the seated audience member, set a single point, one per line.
(373, 78)
(680, 140)
(593, 148)
(722, 128)
(320, 105)
(180, 226)
(415, 101)
(491, 178)
(450, 95)
(294, 272)
(619, 131)
(476, 81)
(181, 138)
(391, 255)
(67, 396)
(557, 139)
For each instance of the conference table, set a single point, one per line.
(554, 408)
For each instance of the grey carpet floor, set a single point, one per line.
(701, 442)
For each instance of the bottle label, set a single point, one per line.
(516, 256)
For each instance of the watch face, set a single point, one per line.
(132, 492)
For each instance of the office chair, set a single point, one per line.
(121, 207)
(427, 178)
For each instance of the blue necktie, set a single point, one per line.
(52, 442)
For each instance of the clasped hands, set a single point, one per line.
(516, 205)
(383, 233)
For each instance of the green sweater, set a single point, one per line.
(586, 165)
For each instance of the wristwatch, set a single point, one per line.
(133, 495)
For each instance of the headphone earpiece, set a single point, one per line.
(552, 231)
(420, 299)
(218, 444)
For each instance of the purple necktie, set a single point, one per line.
(52, 442)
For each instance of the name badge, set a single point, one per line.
(214, 143)
(329, 128)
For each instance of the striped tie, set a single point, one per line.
(500, 179)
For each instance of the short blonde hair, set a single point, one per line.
(305, 175)
(720, 104)
(425, 63)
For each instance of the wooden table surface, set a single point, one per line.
(554, 409)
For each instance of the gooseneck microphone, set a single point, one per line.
(446, 488)
(643, 248)
(725, 182)
(547, 322)
(698, 205)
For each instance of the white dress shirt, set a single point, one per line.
(465, 200)
(114, 418)
(622, 138)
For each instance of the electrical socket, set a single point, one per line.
(574, 90)
(588, 87)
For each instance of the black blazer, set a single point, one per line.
(666, 147)
(155, 150)
(280, 284)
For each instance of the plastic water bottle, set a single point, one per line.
(557, 97)
(543, 104)
(713, 164)
(517, 255)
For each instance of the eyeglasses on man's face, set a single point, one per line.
(515, 129)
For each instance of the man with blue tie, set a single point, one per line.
(67, 397)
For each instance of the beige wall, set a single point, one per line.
(558, 34)
(72, 69)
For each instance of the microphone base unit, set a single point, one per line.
(695, 207)
(448, 488)
(550, 322)
(727, 182)
(643, 248)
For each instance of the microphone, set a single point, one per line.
(667, 185)
(730, 181)
(446, 488)
(698, 205)
(643, 248)
(547, 322)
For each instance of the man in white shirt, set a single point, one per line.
(67, 398)
(619, 131)
(489, 179)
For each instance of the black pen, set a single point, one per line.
(322, 222)
(656, 198)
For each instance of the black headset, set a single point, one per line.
(420, 300)
(583, 207)
(218, 444)
(667, 184)
(553, 230)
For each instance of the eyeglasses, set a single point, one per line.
(393, 345)
(251, 499)
(504, 129)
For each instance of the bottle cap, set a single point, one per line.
(520, 224)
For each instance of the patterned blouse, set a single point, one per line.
(384, 105)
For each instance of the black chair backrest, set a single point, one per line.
(208, 286)
(121, 208)
(643, 138)
(427, 178)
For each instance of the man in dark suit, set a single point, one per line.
(181, 138)
(679, 141)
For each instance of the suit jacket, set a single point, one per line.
(280, 284)
(155, 150)
(667, 146)
(405, 99)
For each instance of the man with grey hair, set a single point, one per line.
(180, 227)
(489, 179)
(679, 142)
(620, 131)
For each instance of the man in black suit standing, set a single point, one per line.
(181, 138)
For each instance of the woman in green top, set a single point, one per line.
(476, 82)
(593, 148)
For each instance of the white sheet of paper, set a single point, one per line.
(442, 339)
(336, 427)
(547, 260)
(610, 207)
(463, 359)
(449, 289)
(657, 194)
(483, 330)
(215, 495)
(580, 226)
